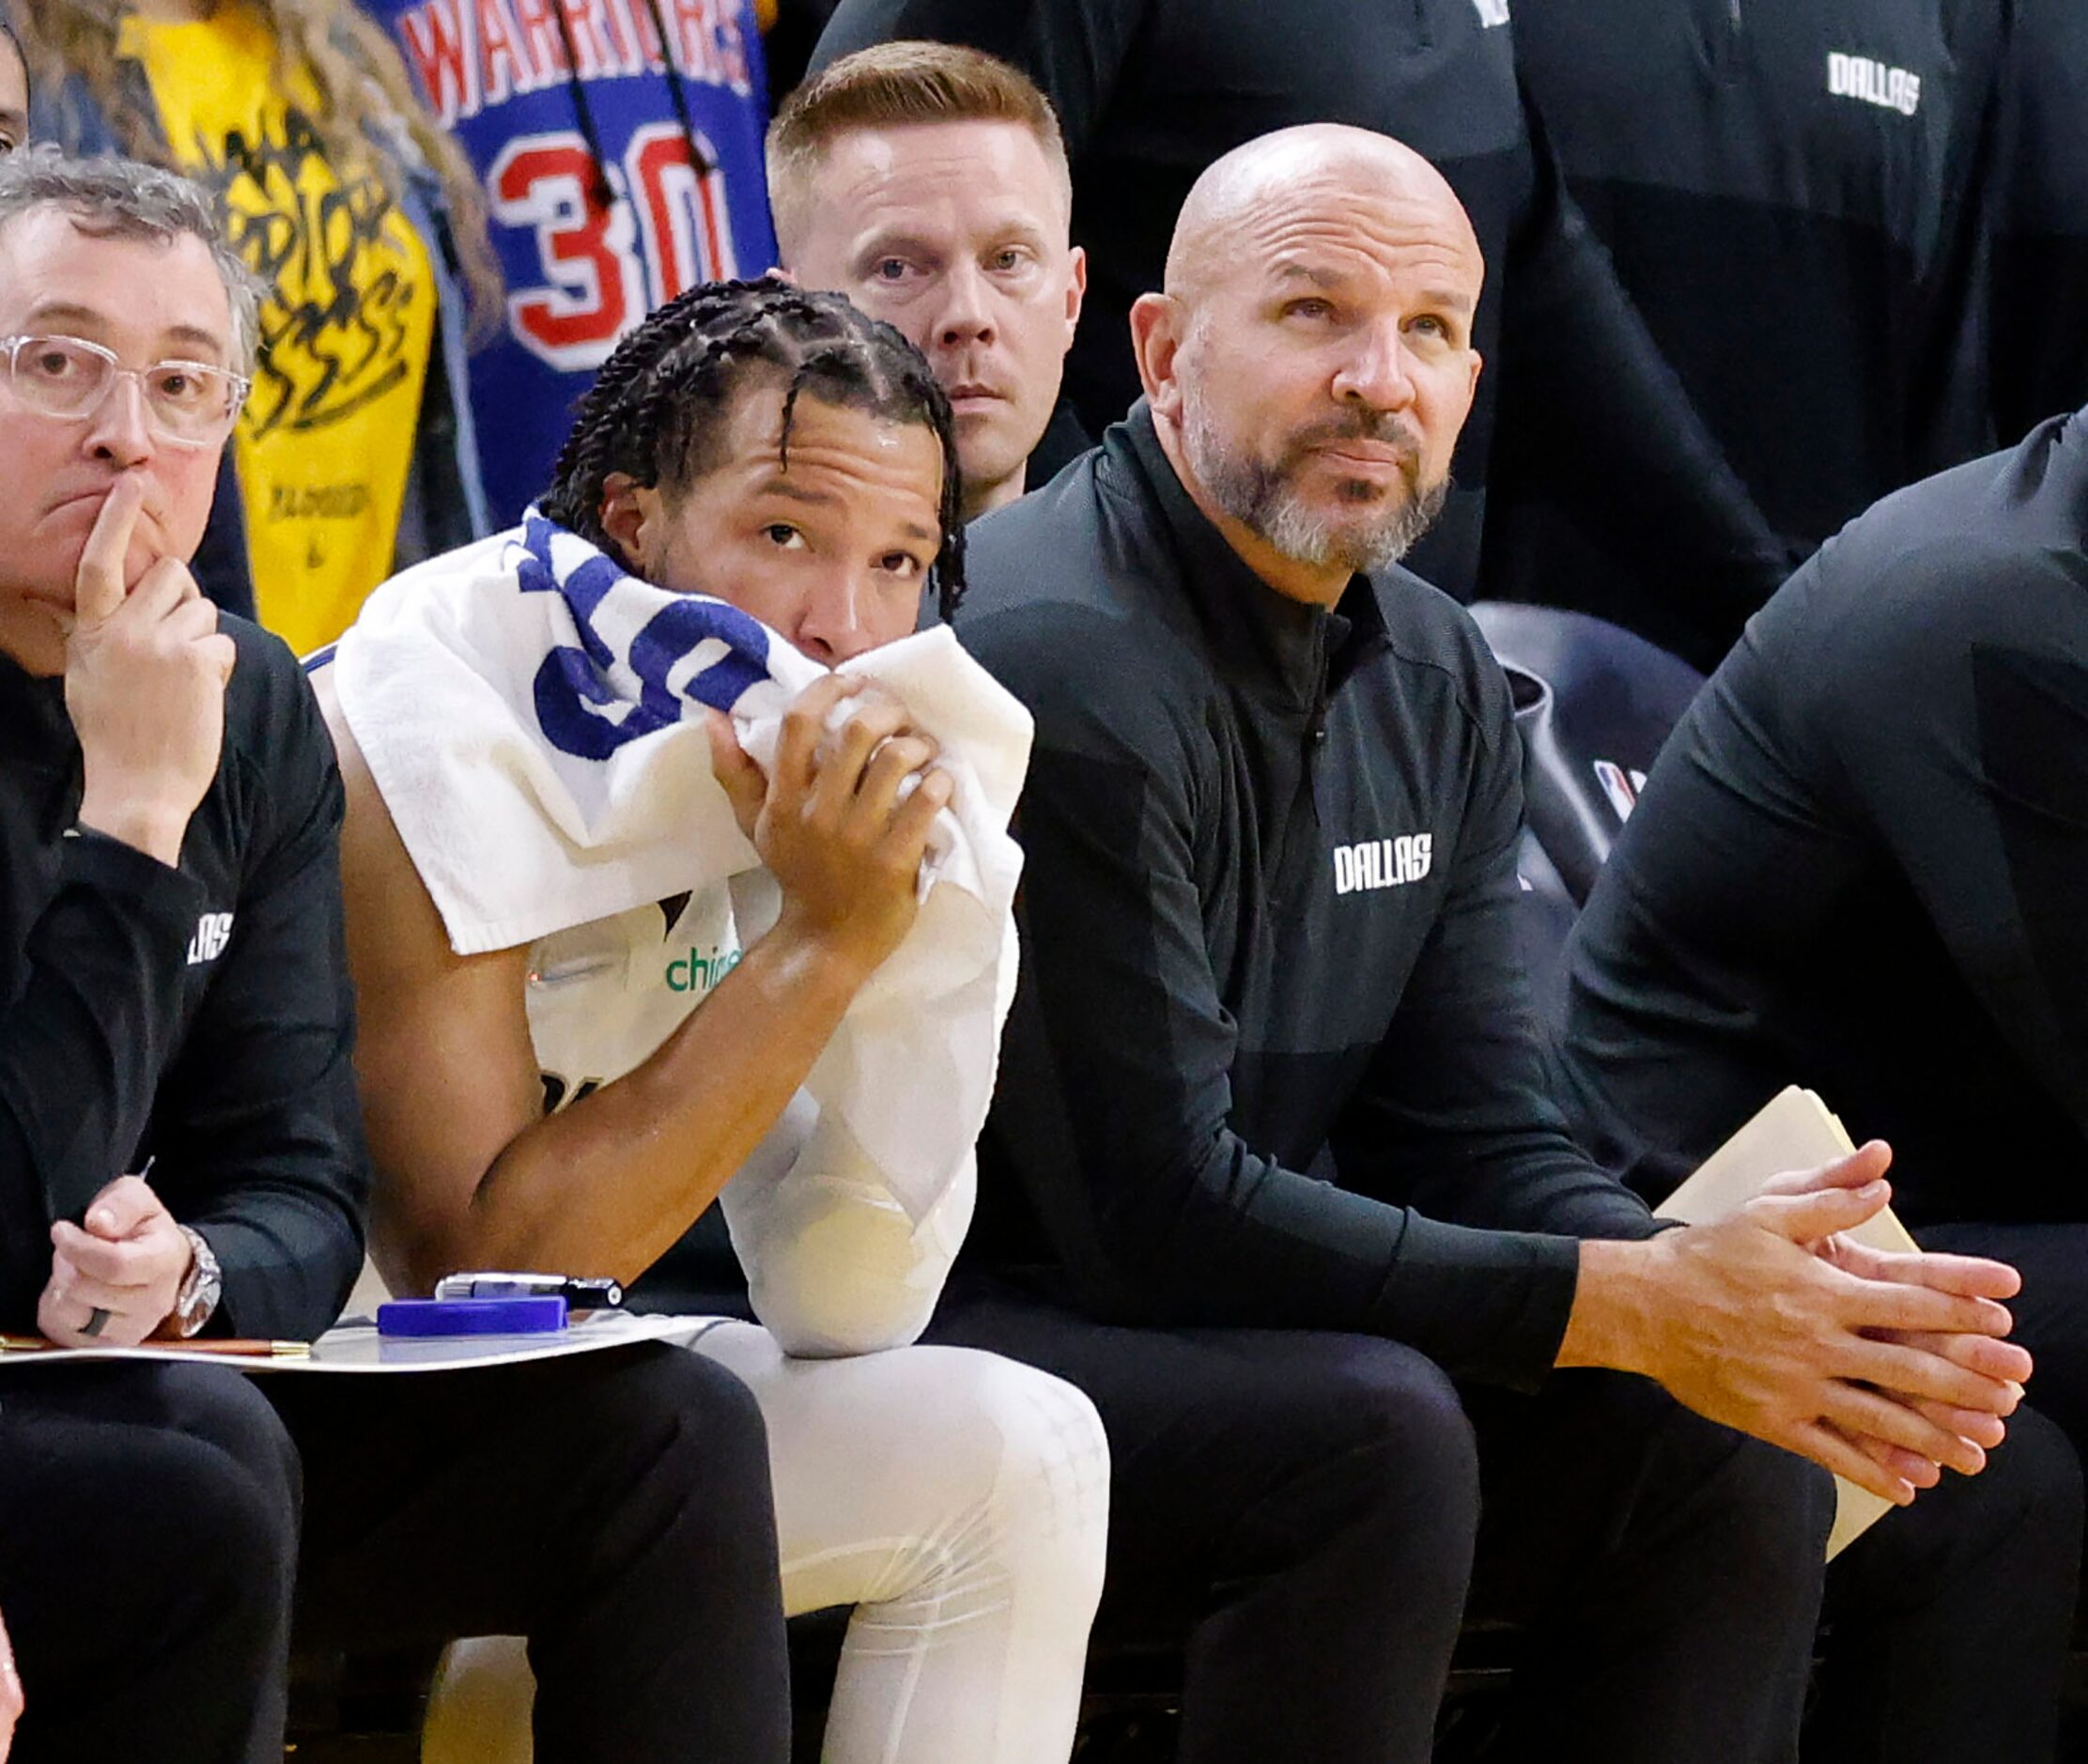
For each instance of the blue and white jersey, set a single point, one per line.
(614, 181)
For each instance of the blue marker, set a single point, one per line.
(534, 1316)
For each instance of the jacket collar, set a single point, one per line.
(1295, 652)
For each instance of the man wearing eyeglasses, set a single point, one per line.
(111, 494)
(173, 1002)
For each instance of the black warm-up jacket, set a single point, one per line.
(1793, 193)
(2039, 331)
(1268, 922)
(1574, 394)
(198, 1017)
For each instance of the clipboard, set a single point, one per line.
(354, 1346)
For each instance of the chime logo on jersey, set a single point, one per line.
(1383, 863)
(1889, 89)
(698, 972)
(213, 930)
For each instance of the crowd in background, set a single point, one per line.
(1722, 316)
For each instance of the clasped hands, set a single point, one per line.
(1885, 1368)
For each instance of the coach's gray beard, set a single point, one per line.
(1260, 499)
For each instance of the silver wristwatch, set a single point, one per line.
(197, 1299)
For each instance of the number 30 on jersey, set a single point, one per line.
(604, 268)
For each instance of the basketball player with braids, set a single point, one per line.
(581, 1103)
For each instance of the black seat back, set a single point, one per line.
(1594, 705)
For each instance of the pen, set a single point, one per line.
(581, 1292)
(233, 1348)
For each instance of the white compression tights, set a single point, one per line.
(956, 1499)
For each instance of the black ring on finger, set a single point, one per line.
(97, 1320)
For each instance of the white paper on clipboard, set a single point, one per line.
(1795, 1131)
(353, 1345)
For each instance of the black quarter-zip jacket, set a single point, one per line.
(1793, 193)
(1573, 394)
(199, 1017)
(1268, 922)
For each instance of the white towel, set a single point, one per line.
(531, 715)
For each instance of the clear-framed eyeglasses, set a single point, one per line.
(188, 404)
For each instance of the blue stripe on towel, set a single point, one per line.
(581, 707)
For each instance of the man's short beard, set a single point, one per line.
(1260, 497)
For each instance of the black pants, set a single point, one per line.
(614, 1508)
(2039, 1564)
(1950, 1619)
(1303, 1513)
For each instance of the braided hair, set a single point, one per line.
(660, 401)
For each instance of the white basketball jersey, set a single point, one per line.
(603, 996)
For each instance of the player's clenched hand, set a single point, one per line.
(145, 674)
(830, 821)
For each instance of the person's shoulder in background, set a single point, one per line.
(1074, 604)
(1992, 552)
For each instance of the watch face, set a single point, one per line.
(198, 1297)
(198, 1309)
